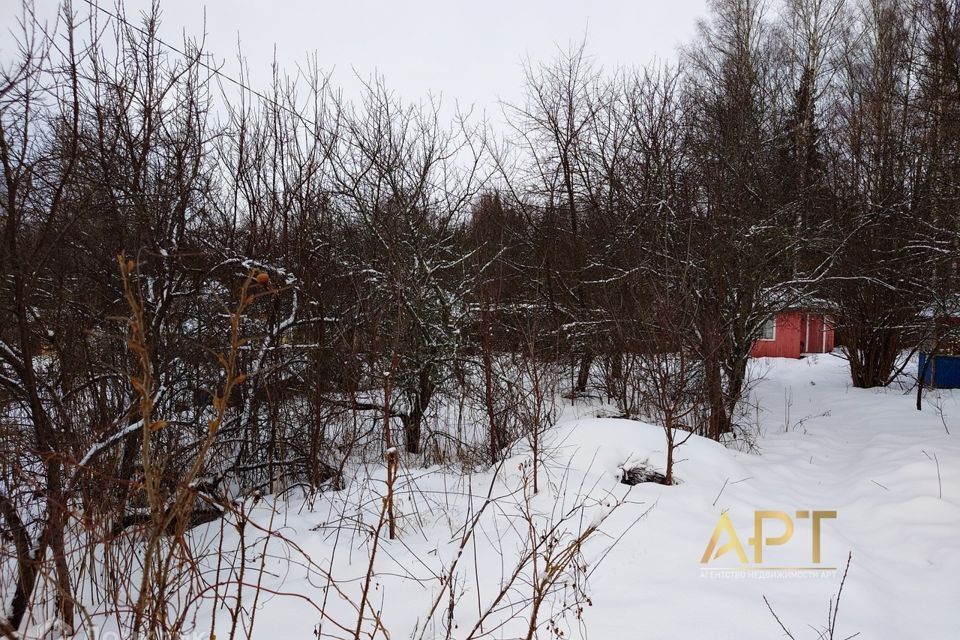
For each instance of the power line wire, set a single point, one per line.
(119, 18)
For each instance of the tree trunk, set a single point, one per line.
(719, 420)
(413, 422)
(583, 373)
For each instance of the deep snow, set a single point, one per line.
(822, 445)
(904, 578)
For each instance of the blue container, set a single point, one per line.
(942, 373)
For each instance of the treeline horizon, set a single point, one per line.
(278, 278)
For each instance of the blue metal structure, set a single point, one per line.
(942, 373)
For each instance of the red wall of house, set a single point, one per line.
(831, 334)
(817, 333)
(794, 330)
(786, 342)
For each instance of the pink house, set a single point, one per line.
(793, 332)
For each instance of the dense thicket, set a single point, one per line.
(309, 280)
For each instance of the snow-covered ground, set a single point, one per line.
(869, 455)
(891, 473)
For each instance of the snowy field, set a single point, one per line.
(891, 473)
(869, 455)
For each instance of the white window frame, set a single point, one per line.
(773, 334)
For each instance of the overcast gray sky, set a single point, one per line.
(465, 51)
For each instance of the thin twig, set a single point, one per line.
(721, 492)
(773, 613)
(833, 620)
